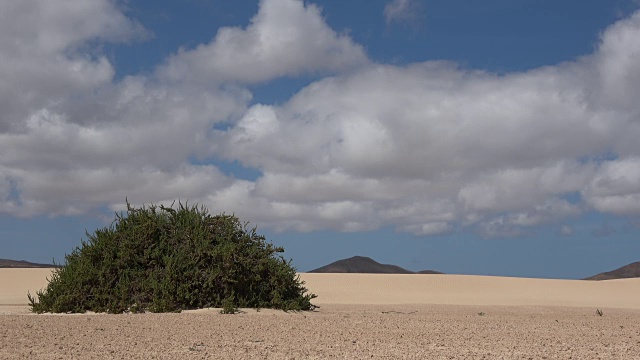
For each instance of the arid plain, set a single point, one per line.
(360, 316)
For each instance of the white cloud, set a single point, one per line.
(78, 191)
(44, 54)
(403, 11)
(615, 188)
(500, 227)
(427, 148)
(618, 65)
(73, 139)
(285, 38)
(516, 223)
(431, 228)
(442, 145)
(44, 27)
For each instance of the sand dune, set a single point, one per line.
(378, 289)
(15, 283)
(471, 290)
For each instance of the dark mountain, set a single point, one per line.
(628, 271)
(361, 264)
(427, 272)
(365, 265)
(6, 263)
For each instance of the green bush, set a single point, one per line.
(166, 259)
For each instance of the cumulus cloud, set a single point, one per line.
(403, 11)
(615, 188)
(427, 148)
(285, 38)
(72, 138)
(44, 53)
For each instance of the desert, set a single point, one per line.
(380, 316)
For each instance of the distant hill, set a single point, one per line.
(628, 271)
(365, 265)
(428, 272)
(6, 263)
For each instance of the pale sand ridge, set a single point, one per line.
(16, 282)
(378, 289)
(471, 290)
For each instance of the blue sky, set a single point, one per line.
(494, 139)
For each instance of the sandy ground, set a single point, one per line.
(471, 290)
(361, 316)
